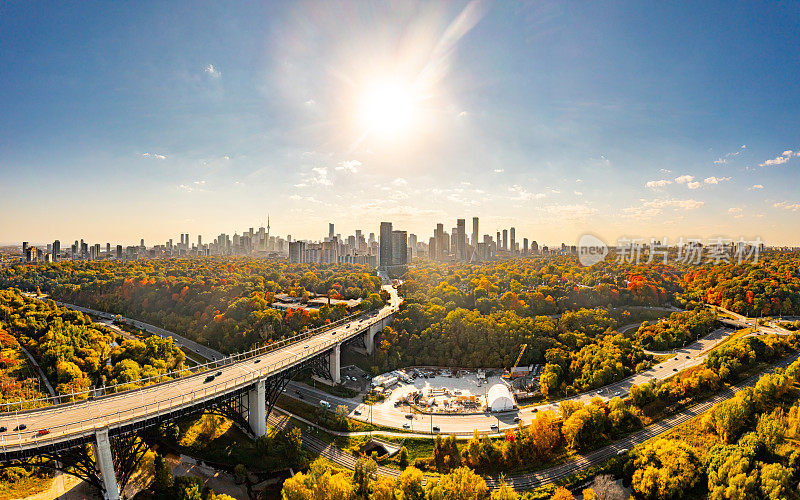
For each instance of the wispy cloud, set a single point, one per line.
(348, 166)
(157, 156)
(499, 170)
(724, 159)
(716, 180)
(756, 186)
(779, 160)
(519, 193)
(684, 179)
(652, 208)
(785, 205)
(193, 187)
(212, 71)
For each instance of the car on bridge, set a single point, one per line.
(43, 432)
(208, 379)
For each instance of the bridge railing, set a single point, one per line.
(144, 383)
(18, 440)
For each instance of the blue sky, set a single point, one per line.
(121, 120)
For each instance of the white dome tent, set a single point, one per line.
(499, 398)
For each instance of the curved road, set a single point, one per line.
(81, 419)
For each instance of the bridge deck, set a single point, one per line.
(76, 420)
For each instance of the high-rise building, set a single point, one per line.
(525, 246)
(108, 249)
(25, 249)
(119, 252)
(56, 250)
(296, 251)
(461, 238)
(412, 244)
(505, 239)
(534, 247)
(475, 231)
(330, 231)
(386, 245)
(513, 237)
(399, 248)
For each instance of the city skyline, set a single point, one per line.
(628, 119)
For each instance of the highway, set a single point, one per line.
(80, 419)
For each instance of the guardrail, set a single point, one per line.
(147, 382)
(14, 441)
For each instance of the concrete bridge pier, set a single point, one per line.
(335, 364)
(105, 463)
(257, 406)
(369, 337)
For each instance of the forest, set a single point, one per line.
(223, 303)
(73, 351)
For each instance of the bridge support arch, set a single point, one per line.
(105, 464)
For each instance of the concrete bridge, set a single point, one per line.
(243, 387)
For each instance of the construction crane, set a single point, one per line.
(521, 352)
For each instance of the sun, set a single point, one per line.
(387, 110)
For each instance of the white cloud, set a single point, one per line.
(779, 160)
(199, 183)
(693, 185)
(310, 102)
(794, 207)
(522, 194)
(321, 176)
(578, 193)
(349, 166)
(715, 180)
(499, 170)
(757, 186)
(157, 156)
(736, 212)
(684, 179)
(212, 71)
(399, 182)
(665, 171)
(658, 184)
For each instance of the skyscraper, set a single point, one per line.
(505, 239)
(330, 231)
(461, 237)
(513, 247)
(474, 231)
(399, 248)
(385, 244)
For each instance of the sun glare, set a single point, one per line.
(387, 110)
